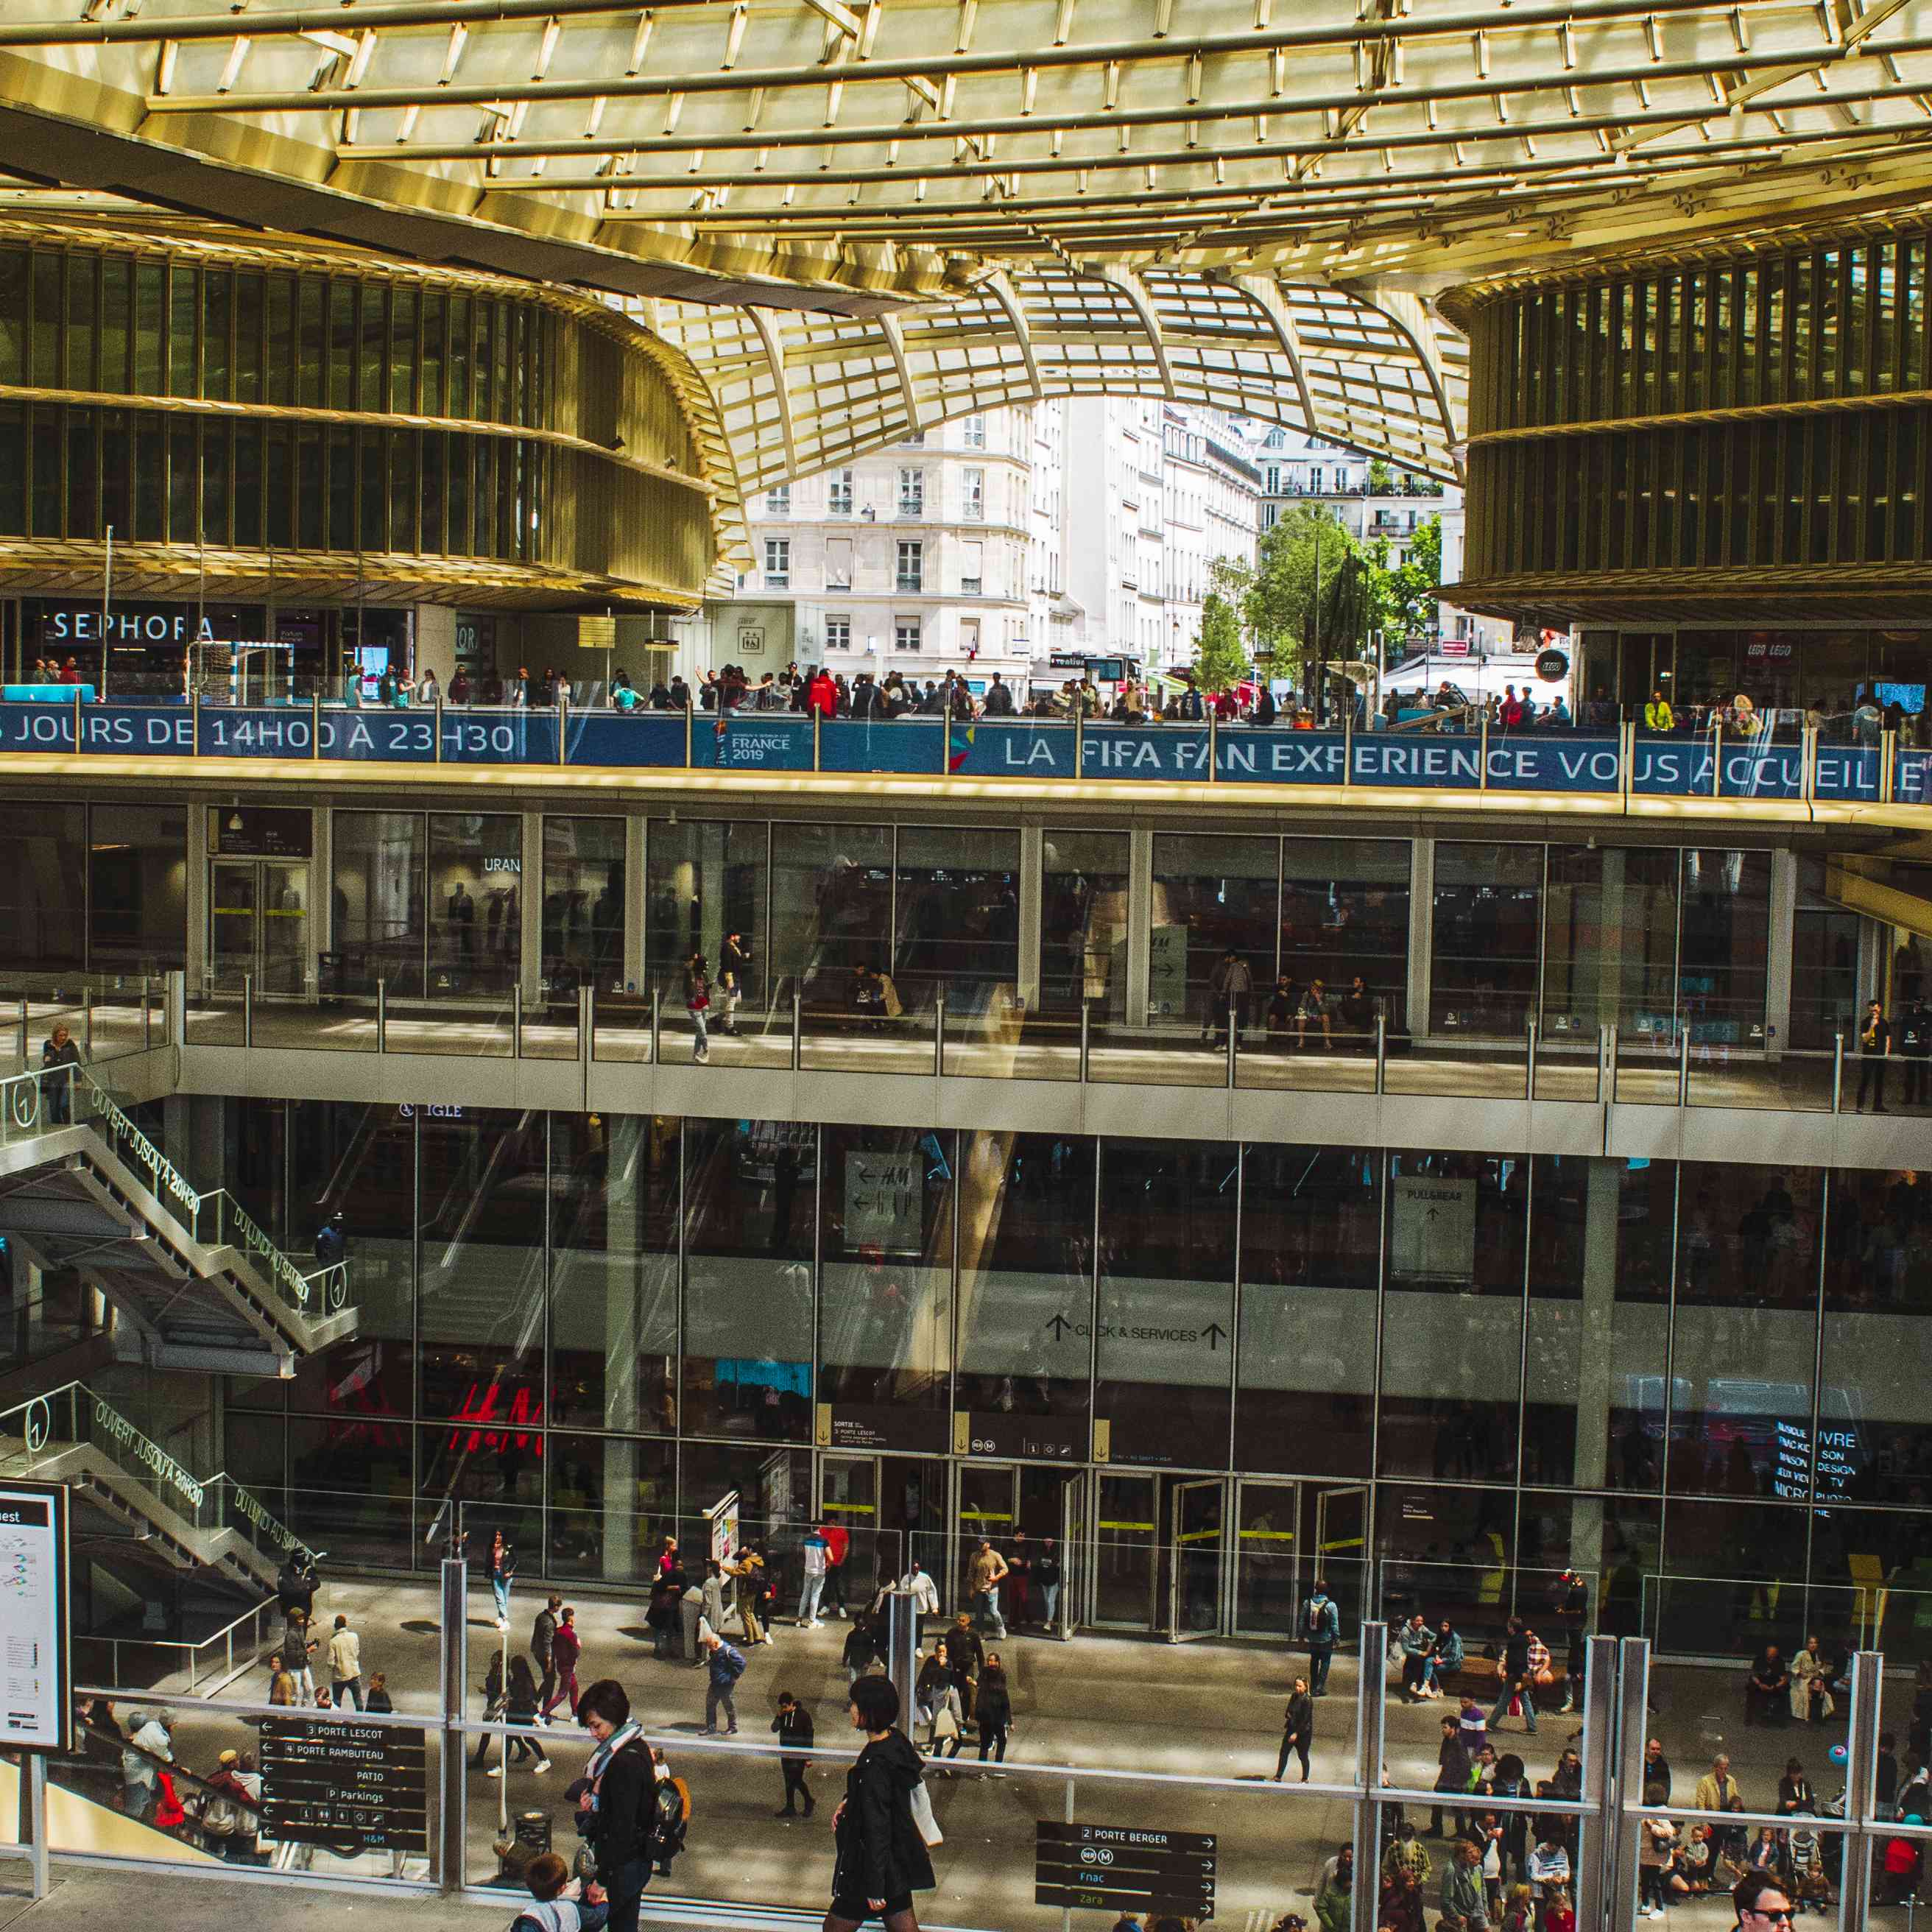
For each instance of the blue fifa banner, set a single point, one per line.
(1772, 771)
(911, 745)
(653, 739)
(1178, 753)
(1560, 761)
(1849, 772)
(480, 738)
(1913, 785)
(1019, 750)
(262, 731)
(752, 741)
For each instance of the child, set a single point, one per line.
(560, 1903)
(1559, 1915)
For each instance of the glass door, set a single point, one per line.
(848, 1496)
(989, 1507)
(1197, 1513)
(1125, 1553)
(1341, 1550)
(1267, 1528)
(1075, 1553)
(258, 924)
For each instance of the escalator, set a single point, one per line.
(199, 1283)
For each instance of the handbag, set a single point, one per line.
(926, 1824)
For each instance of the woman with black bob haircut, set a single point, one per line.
(882, 1858)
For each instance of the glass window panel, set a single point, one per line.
(341, 485)
(481, 1220)
(1311, 1245)
(372, 390)
(475, 928)
(957, 897)
(13, 316)
(380, 859)
(749, 1217)
(705, 880)
(1614, 1543)
(248, 292)
(184, 308)
(1452, 1322)
(1211, 894)
(1166, 1308)
(117, 295)
(403, 350)
(1875, 1401)
(151, 466)
(373, 528)
(1489, 903)
(248, 485)
(1344, 916)
(1026, 1277)
(312, 343)
(831, 891)
(886, 1309)
(614, 1191)
(83, 475)
(1748, 1256)
(216, 301)
(350, 1489)
(13, 470)
(215, 475)
(1599, 1320)
(1725, 946)
(342, 339)
(116, 473)
(435, 323)
(1084, 923)
(611, 1499)
(150, 326)
(359, 1160)
(459, 356)
(583, 902)
(82, 312)
(49, 455)
(1610, 939)
(184, 476)
(49, 319)
(137, 888)
(43, 887)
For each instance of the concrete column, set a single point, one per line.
(530, 902)
(1033, 865)
(1610, 938)
(623, 1166)
(1421, 930)
(1595, 1365)
(197, 953)
(1778, 958)
(1140, 923)
(435, 642)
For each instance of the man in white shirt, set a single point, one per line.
(345, 1665)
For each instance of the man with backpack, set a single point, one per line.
(1321, 1630)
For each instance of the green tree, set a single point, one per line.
(1381, 478)
(1406, 597)
(1220, 662)
(1276, 597)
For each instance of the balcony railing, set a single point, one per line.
(1444, 753)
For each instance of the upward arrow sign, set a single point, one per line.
(1059, 1324)
(1216, 1335)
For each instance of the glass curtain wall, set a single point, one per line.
(104, 887)
(582, 903)
(1083, 936)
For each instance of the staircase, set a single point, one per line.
(81, 1187)
(74, 1436)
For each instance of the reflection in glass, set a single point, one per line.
(1211, 895)
(1483, 968)
(1083, 933)
(705, 880)
(956, 900)
(1610, 940)
(750, 1187)
(43, 888)
(137, 888)
(1345, 914)
(379, 864)
(1026, 1274)
(1723, 950)
(832, 898)
(583, 902)
(1453, 1316)
(475, 891)
(1163, 1362)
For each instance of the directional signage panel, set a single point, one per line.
(1123, 1868)
(347, 1785)
(35, 1621)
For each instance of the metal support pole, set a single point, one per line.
(1838, 1073)
(455, 1682)
(1684, 1068)
(1598, 1705)
(1086, 1035)
(902, 1649)
(87, 1020)
(1606, 1064)
(1382, 1053)
(1626, 1838)
(382, 1015)
(247, 1010)
(1371, 1699)
(36, 1820)
(657, 1025)
(797, 1029)
(1213, 742)
(939, 1036)
(586, 1027)
(147, 1016)
(1234, 1040)
(23, 1030)
(1529, 1061)
(438, 724)
(177, 1012)
(1861, 1779)
(1483, 754)
(517, 1021)
(1079, 742)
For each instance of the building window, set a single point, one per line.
(912, 565)
(976, 432)
(972, 567)
(838, 634)
(914, 439)
(912, 493)
(778, 501)
(778, 563)
(905, 633)
(838, 563)
(975, 507)
(838, 494)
